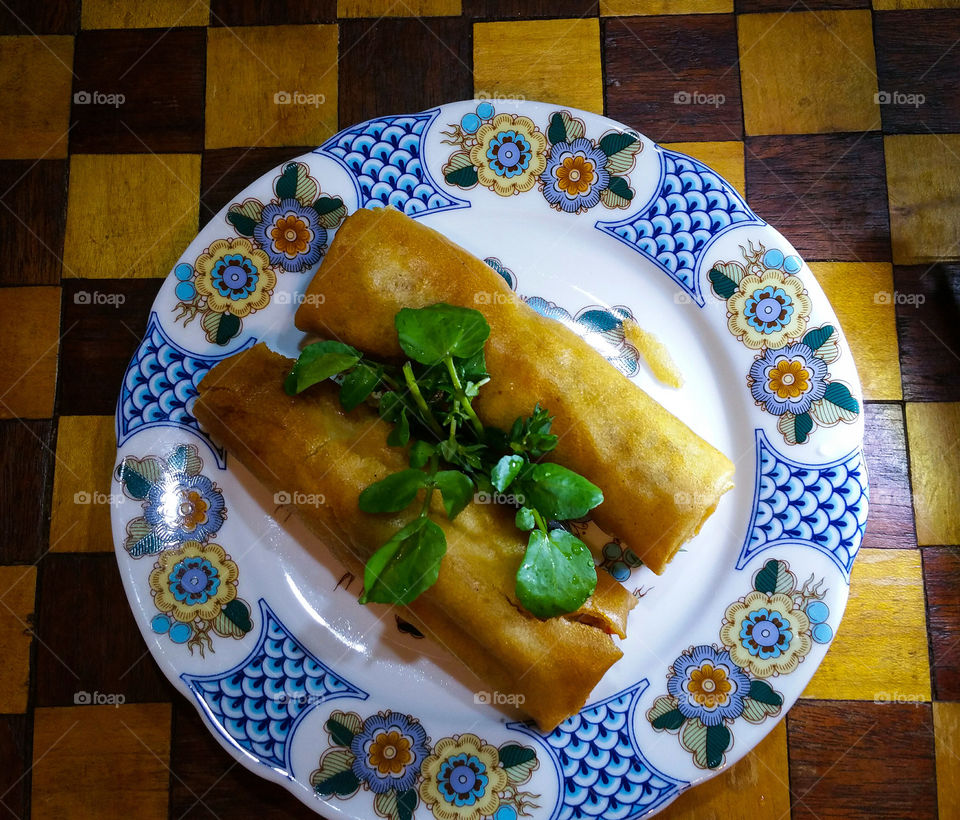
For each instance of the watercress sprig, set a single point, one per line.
(429, 402)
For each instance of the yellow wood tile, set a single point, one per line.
(156, 14)
(130, 215)
(555, 61)
(808, 72)
(18, 586)
(628, 8)
(81, 754)
(862, 295)
(252, 70)
(726, 158)
(398, 8)
(923, 187)
(36, 75)
(946, 733)
(884, 5)
(757, 787)
(30, 341)
(80, 520)
(933, 434)
(880, 650)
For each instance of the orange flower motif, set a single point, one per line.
(789, 378)
(192, 509)
(709, 686)
(390, 753)
(291, 235)
(575, 175)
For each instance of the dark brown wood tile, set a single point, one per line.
(225, 172)
(396, 65)
(854, 759)
(941, 578)
(159, 72)
(207, 784)
(742, 6)
(891, 508)
(26, 483)
(512, 9)
(87, 639)
(16, 745)
(271, 12)
(674, 78)
(826, 193)
(917, 69)
(928, 327)
(47, 17)
(99, 340)
(33, 213)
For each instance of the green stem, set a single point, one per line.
(434, 464)
(453, 425)
(541, 524)
(464, 399)
(381, 372)
(420, 401)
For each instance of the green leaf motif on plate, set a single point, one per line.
(465, 177)
(774, 578)
(721, 282)
(286, 186)
(839, 394)
(243, 223)
(613, 143)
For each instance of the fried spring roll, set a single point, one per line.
(308, 443)
(660, 480)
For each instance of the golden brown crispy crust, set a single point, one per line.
(660, 480)
(308, 444)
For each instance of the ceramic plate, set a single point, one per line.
(589, 222)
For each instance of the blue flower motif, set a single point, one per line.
(765, 633)
(291, 235)
(768, 309)
(788, 380)
(708, 685)
(388, 751)
(234, 276)
(181, 507)
(509, 153)
(193, 580)
(462, 779)
(575, 175)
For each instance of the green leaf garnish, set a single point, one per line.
(428, 400)
(557, 493)
(428, 335)
(456, 489)
(400, 435)
(525, 520)
(531, 436)
(406, 565)
(420, 453)
(393, 493)
(505, 471)
(556, 575)
(391, 405)
(357, 385)
(319, 361)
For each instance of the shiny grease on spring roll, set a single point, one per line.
(660, 480)
(310, 444)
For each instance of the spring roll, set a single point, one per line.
(660, 480)
(309, 444)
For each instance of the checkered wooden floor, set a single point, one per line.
(123, 129)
